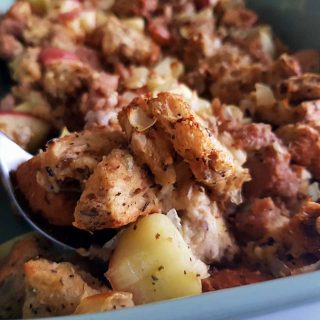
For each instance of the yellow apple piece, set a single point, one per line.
(153, 262)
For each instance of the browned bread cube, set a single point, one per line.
(69, 161)
(57, 208)
(54, 289)
(12, 285)
(211, 162)
(148, 144)
(117, 193)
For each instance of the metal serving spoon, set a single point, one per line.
(11, 156)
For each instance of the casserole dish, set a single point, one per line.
(227, 303)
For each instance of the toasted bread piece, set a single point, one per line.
(12, 286)
(302, 234)
(69, 161)
(105, 302)
(129, 44)
(303, 141)
(210, 161)
(57, 208)
(301, 88)
(117, 193)
(267, 109)
(148, 144)
(54, 289)
(66, 77)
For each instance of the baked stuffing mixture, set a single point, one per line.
(186, 125)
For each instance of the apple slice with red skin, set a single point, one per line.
(50, 55)
(27, 130)
(69, 16)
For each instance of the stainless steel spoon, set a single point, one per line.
(11, 156)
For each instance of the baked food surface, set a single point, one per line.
(187, 126)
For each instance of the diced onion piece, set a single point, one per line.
(169, 67)
(264, 95)
(88, 20)
(267, 41)
(85, 21)
(138, 78)
(64, 132)
(200, 106)
(165, 75)
(134, 23)
(105, 302)
(172, 214)
(139, 120)
(153, 262)
(239, 154)
(314, 191)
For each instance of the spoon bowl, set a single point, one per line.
(11, 156)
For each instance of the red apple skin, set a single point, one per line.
(15, 124)
(69, 16)
(50, 55)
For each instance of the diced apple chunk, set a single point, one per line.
(153, 262)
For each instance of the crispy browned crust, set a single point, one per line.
(301, 88)
(117, 193)
(210, 162)
(57, 208)
(192, 153)
(150, 146)
(69, 161)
